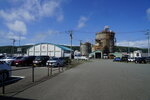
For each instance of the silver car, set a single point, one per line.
(6, 69)
(55, 62)
(7, 60)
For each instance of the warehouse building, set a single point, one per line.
(49, 49)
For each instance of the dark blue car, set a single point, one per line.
(117, 59)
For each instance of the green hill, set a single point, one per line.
(11, 49)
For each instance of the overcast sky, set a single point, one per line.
(39, 21)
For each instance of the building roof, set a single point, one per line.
(62, 47)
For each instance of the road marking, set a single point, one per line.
(18, 76)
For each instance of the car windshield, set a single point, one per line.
(38, 58)
(19, 58)
(6, 58)
(23, 58)
(53, 58)
(3, 58)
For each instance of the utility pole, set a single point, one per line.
(71, 37)
(147, 33)
(19, 38)
(19, 49)
(12, 51)
(80, 47)
(128, 49)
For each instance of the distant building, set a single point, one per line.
(49, 49)
(85, 48)
(104, 43)
(138, 53)
(77, 53)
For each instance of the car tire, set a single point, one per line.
(136, 62)
(58, 65)
(5, 76)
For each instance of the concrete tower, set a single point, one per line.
(105, 41)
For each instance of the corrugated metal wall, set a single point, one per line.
(45, 49)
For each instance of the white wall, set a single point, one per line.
(46, 49)
(138, 53)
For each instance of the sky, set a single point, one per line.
(48, 21)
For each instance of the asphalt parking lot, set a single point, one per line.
(22, 77)
(96, 80)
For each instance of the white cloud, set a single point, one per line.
(11, 35)
(49, 8)
(40, 37)
(141, 43)
(60, 17)
(22, 12)
(148, 13)
(33, 9)
(17, 26)
(6, 38)
(82, 22)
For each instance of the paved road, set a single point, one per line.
(97, 80)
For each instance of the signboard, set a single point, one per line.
(19, 49)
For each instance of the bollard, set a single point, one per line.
(59, 69)
(48, 69)
(3, 86)
(32, 73)
(51, 70)
(2, 72)
(62, 68)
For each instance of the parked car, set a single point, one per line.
(131, 59)
(7, 60)
(25, 61)
(81, 58)
(140, 60)
(7, 70)
(40, 60)
(16, 58)
(84, 58)
(1, 56)
(55, 62)
(117, 59)
(124, 59)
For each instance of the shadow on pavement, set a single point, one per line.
(11, 80)
(12, 98)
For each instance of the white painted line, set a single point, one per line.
(18, 76)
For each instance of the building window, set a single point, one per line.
(137, 54)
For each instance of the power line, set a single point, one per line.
(140, 31)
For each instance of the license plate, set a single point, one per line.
(16, 63)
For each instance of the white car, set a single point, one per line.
(81, 58)
(84, 58)
(7, 60)
(131, 59)
(7, 70)
(55, 62)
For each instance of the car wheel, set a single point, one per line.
(5, 76)
(58, 65)
(136, 62)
